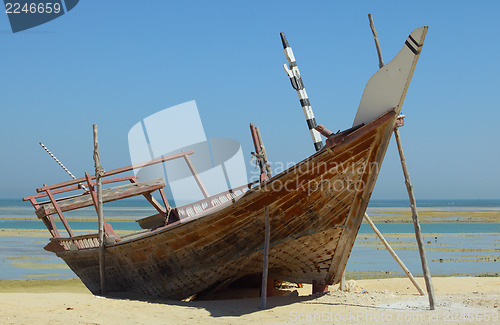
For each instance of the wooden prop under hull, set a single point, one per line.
(316, 209)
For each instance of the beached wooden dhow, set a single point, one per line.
(315, 209)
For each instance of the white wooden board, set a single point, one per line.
(387, 88)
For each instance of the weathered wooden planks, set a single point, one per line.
(117, 171)
(108, 195)
(154, 221)
(309, 218)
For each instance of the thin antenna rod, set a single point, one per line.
(61, 164)
(377, 44)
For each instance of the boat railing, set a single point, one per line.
(46, 210)
(75, 243)
(198, 207)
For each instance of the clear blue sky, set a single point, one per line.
(115, 62)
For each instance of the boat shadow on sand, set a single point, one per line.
(232, 302)
(247, 301)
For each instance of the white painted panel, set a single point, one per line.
(387, 87)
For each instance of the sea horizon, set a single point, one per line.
(375, 203)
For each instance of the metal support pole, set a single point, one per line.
(416, 224)
(393, 254)
(265, 263)
(100, 216)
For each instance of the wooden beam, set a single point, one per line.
(393, 254)
(51, 226)
(108, 195)
(47, 220)
(342, 282)
(264, 154)
(99, 171)
(59, 212)
(260, 154)
(319, 288)
(92, 191)
(416, 224)
(428, 282)
(323, 130)
(74, 188)
(377, 44)
(165, 201)
(118, 170)
(265, 261)
(152, 200)
(196, 177)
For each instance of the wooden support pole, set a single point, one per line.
(153, 201)
(196, 176)
(261, 154)
(100, 216)
(53, 225)
(416, 224)
(264, 153)
(342, 282)
(393, 253)
(59, 212)
(377, 44)
(319, 288)
(409, 187)
(265, 263)
(47, 220)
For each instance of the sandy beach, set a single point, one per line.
(459, 300)
(39, 293)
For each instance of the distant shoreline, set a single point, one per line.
(378, 214)
(404, 202)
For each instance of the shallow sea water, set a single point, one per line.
(452, 247)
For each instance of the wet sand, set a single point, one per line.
(431, 215)
(385, 214)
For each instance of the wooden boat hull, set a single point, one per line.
(316, 209)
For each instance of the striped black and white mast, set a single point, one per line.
(293, 73)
